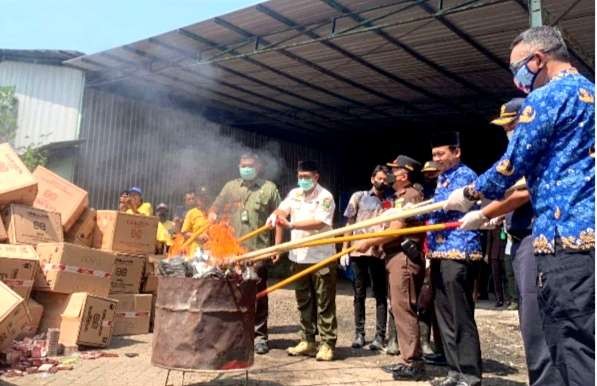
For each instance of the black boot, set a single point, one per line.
(359, 341)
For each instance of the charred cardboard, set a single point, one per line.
(132, 314)
(14, 317)
(87, 321)
(26, 225)
(54, 304)
(123, 232)
(68, 268)
(18, 266)
(81, 233)
(56, 194)
(18, 184)
(127, 274)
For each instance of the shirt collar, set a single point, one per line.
(403, 190)
(251, 183)
(446, 173)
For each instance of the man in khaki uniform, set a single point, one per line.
(311, 210)
(246, 202)
(406, 270)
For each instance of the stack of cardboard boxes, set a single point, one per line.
(64, 265)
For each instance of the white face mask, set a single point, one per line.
(510, 134)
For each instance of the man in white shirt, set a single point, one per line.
(307, 210)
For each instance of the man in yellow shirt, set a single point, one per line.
(165, 229)
(194, 218)
(135, 203)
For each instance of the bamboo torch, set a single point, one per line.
(254, 233)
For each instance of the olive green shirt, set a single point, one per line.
(257, 199)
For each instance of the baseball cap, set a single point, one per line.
(136, 189)
(508, 112)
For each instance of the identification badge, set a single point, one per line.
(244, 216)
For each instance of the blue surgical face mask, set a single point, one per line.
(247, 173)
(306, 184)
(524, 78)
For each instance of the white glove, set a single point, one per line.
(473, 220)
(494, 223)
(345, 261)
(457, 201)
(272, 220)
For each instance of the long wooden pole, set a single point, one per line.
(399, 215)
(254, 233)
(333, 258)
(195, 235)
(370, 235)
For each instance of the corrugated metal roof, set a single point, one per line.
(309, 63)
(55, 57)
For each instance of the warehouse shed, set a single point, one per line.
(351, 83)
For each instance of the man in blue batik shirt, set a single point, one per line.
(553, 147)
(454, 255)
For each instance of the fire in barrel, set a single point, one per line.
(205, 309)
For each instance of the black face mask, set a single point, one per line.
(380, 186)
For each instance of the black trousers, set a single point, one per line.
(453, 283)
(261, 306)
(566, 294)
(541, 369)
(372, 267)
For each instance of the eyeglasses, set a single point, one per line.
(514, 67)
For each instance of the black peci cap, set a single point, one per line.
(308, 166)
(445, 138)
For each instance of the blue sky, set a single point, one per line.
(95, 25)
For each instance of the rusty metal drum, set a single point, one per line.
(204, 324)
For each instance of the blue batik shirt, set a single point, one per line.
(452, 244)
(554, 148)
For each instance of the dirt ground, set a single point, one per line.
(501, 344)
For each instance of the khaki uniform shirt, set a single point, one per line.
(318, 205)
(246, 205)
(407, 195)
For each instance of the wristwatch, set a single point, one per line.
(471, 194)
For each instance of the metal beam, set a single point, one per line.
(466, 37)
(325, 71)
(412, 52)
(535, 13)
(286, 21)
(257, 63)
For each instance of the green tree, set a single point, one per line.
(8, 113)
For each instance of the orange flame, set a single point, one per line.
(177, 248)
(221, 243)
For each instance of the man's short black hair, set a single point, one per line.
(308, 166)
(250, 155)
(380, 168)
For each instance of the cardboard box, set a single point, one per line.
(127, 274)
(81, 233)
(122, 232)
(55, 194)
(132, 314)
(68, 268)
(18, 266)
(150, 275)
(54, 305)
(87, 321)
(3, 234)
(14, 317)
(18, 184)
(26, 225)
(36, 311)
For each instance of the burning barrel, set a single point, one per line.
(204, 324)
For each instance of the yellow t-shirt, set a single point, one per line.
(193, 221)
(144, 209)
(164, 234)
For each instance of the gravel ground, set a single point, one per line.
(500, 340)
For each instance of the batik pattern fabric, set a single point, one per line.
(553, 147)
(452, 244)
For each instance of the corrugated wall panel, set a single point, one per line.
(167, 151)
(49, 101)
